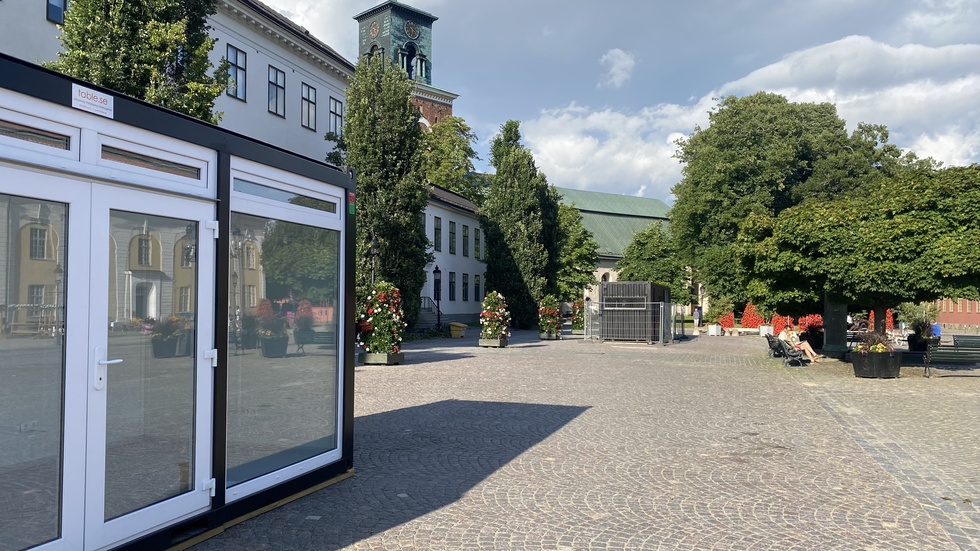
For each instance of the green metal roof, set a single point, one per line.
(613, 219)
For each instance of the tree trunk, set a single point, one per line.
(880, 321)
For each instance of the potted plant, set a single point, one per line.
(549, 318)
(718, 311)
(250, 332)
(875, 357)
(166, 333)
(381, 323)
(272, 331)
(578, 317)
(303, 323)
(494, 321)
(918, 318)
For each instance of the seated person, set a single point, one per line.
(936, 330)
(788, 335)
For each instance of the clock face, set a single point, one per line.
(412, 29)
(374, 29)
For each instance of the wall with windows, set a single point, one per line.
(283, 89)
(458, 245)
(959, 315)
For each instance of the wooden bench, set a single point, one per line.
(951, 355)
(304, 338)
(966, 341)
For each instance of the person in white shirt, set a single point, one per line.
(788, 335)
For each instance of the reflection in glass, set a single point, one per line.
(283, 365)
(33, 243)
(283, 196)
(150, 394)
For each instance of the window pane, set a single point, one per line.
(267, 192)
(32, 370)
(284, 316)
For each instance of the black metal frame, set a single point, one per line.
(43, 84)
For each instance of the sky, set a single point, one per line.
(604, 89)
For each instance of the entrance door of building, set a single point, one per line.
(149, 393)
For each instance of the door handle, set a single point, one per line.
(100, 369)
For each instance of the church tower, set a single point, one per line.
(403, 35)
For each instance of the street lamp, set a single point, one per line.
(437, 290)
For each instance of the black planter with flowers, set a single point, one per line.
(876, 358)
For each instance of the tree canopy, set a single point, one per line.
(910, 238)
(652, 256)
(577, 255)
(447, 158)
(520, 220)
(751, 159)
(381, 140)
(154, 50)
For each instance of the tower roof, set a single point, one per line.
(394, 4)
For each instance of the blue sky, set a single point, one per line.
(603, 89)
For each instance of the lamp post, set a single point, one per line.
(437, 290)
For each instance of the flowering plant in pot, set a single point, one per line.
(166, 333)
(272, 330)
(381, 322)
(876, 357)
(549, 318)
(578, 316)
(494, 320)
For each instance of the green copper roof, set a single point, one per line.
(613, 219)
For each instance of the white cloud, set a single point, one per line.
(929, 98)
(619, 68)
(944, 20)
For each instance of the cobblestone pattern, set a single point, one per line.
(704, 444)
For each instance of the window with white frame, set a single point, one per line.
(466, 242)
(236, 72)
(476, 243)
(184, 299)
(39, 239)
(452, 285)
(143, 251)
(308, 107)
(35, 297)
(452, 238)
(277, 91)
(249, 257)
(437, 233)
(466, 286)
(336, 122)
(476, 288)
(251, 300)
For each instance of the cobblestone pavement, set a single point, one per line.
(703, 444)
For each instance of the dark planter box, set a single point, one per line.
(250, 341)
(275, 347)
(882, 365)
(815, 339)
(164, 348)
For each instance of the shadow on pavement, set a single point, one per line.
(408, 462)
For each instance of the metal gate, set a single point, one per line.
(635, 312)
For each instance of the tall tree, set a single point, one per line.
(447, 158)
(578, 255)
(381, 140)
(154, 50)
(756, 152)
(652, 256)
(910, 238)
(521, 244)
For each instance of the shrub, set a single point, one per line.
(889, 322)
(381, 320)
(779, 322)
(304, 315)
(812, 323)
(751, 317)
(494, 317)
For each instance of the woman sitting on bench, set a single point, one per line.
(788, 335)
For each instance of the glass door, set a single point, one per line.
(150, 389)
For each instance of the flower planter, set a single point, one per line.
(494, 343)
(164, 348)
(275, 347)
(715, 330)
(549, 336)
(392, 358)
(578, 331)
(882, 365)
(765, 330)
(250, 341)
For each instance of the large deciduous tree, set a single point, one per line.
(755, 154)
(381, 139)
(909, 238)
(652, 256)
(578, 254)
(154, 50)
(520, 220)
(447, 158)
